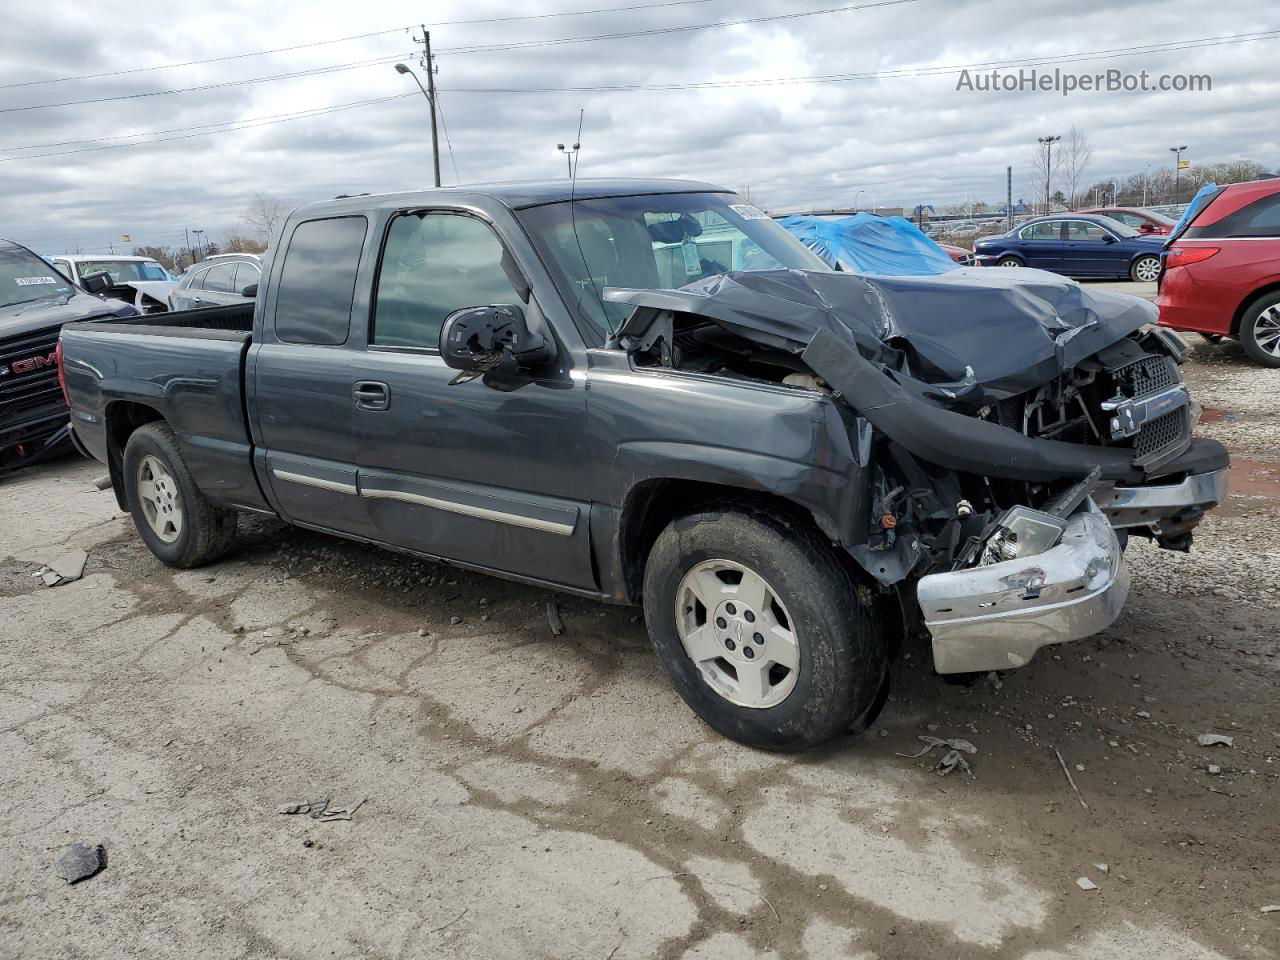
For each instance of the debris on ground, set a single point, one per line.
(1271, 908)
(553, 618)
(951, 760)
(67, 568)
(1102, 868)
(1070, 779)
(80, 861)
(103, 482)
(321, 810)
(1215, 739)
(1084, 883)
(1214, 769)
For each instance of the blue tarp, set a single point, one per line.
(1195, 206)
(864, 243)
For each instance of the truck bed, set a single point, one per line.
(190, 371)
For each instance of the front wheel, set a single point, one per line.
(761, 628)
(1009, 262)
(177, 523)
(1146, 269)
(1260, 331)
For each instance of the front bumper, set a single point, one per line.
(1169, 505)
(996, 617)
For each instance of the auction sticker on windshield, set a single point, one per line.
(748, 212)
(32, 281)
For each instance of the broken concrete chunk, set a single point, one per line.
(1214, 769)
(1215, 739)
(1084, 883)
(50, 578)
(1102, 868)
(1271, 908)
(70, 566)
(81, 861)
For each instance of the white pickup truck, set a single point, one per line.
(141, 281)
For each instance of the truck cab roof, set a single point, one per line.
(520, 194)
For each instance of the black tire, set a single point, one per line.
(1144, 261)
(843, 655)
(207, 532)
(1258, 326)
(1010, 261)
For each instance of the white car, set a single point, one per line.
(141, 281)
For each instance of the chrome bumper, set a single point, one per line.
(1148, 505)
(996, 617)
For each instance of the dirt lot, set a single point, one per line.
(539, 796)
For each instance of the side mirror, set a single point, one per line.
(251, 291)
(493, 339)
(1108, 238)
(96, 283)
(1146, 228)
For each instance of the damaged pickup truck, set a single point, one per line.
(648, 392)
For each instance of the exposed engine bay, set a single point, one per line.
(986, 409)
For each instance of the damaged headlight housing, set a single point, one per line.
(1022, 532)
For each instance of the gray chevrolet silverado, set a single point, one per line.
(648, 392)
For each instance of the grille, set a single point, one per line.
(1148, 375)
(27, 395)
(1161, 434)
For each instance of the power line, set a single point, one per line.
(312, 72)
(240, 125)
(903, 72)
(662, 31)
(440, 105)
(354, 36)
(477, 49)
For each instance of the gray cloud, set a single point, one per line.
(904, 140)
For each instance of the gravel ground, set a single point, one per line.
(537, 796)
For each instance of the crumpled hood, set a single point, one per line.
(22, 318)
(978, 333)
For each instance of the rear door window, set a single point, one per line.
(318, 281)
(1042, 231)
(219, 278)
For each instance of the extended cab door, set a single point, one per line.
(486, 473)
(300, 370)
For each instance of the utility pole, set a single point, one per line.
(199, 243)
(187, 233)
(1048, 166)
(1008, 196)
(1177, 170)
(429, 91)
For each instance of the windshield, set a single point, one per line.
(25, 277)
(123, 271)
(660, 241)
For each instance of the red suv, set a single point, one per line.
(1222, 270)
(1144, 221)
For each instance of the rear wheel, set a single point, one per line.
(761, 628)
(1260, 331)
(1010, 262)
(1146, 269)
(177, 523)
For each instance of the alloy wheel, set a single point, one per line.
(1147, 270)
(737, 630)
(1266, 330)
(161, 501)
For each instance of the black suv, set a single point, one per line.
(35, 301)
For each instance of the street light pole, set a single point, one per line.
(1048, 166)
(855, 199)
(431, 101)
(199, 242)
(1177, 170)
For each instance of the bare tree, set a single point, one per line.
(1046, 163)
(1075, 152)
(236, 242)
(264, 214)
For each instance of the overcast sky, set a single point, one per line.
(902, 140)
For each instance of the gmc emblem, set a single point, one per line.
(30, 364)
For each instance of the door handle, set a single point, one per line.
(371, 395)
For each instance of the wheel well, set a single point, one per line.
(123, 417)
(1248, 302)
(653, 504)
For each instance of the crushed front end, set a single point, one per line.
(1012, 432)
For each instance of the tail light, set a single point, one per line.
(1185, 256)
(62, 375)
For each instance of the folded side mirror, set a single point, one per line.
(493, 339)
(1108, 238)
(96, 282)
(251, 291)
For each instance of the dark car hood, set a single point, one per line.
(972, 335)
(55, 311)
